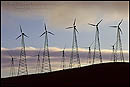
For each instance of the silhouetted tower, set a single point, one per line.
(12, 67)
(22, 68)
(118, 42)
(89, 60)
(38, 66)
(74, 59)
(113, 57)
(46, 65)
(97, 50)
(63, 59)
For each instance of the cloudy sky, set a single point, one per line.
(59, 15)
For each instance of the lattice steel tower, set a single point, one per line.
(118, 42)
(22, 68)
(46, 65)
(97, 50)
(74, 59)
(12, 67)
(63, 59)
(113, 57)
(38, 66)
(89, 60)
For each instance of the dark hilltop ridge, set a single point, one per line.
(97, 75)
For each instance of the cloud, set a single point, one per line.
(63, 13)
(55, 52)
(55, 56)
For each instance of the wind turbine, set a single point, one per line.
(63, 58)
(97, 42)
(22, 69)
(118, 41)
(74, 59)
(38, 66)
(89, 53)
(46, 65)
(12, 66)
(114, 58)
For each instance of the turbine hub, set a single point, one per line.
(74, 26)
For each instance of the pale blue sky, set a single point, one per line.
(31, 20)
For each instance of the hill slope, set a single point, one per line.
(98, 75)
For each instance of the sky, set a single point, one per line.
(58, 15)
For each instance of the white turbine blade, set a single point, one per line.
(120, 30)
(99, 22)
(120, 22)
(113, 44)
(91, 44)
(51, 33)
(113, 26)
(26, 35)
(77, 30)
(74, 21)
(68, 27)
(20, 28)
(45, 27)
(42, 34)
(91, 24)
(18, 37)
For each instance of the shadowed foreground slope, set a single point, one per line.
(98, 75)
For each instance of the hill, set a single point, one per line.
(97, 75)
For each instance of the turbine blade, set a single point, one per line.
(113, 26)
(120, 30)
(99, 22)
(91, 24)
(18, 37)
(74, 21)
(45, 27)
(77, 30)
(51, 33)
(42, 34)
(113, 44)
(68, 27)
(26, 35)
(91, 44)
(20, 28)
(120, 22)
